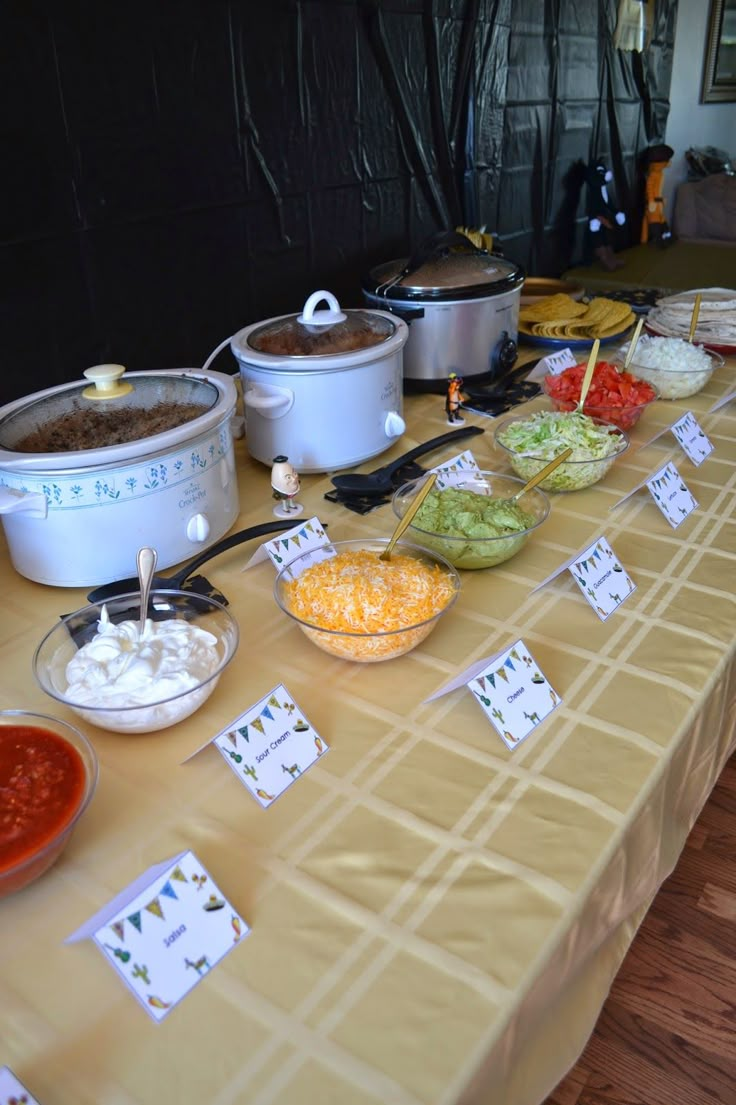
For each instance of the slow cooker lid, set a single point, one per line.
(321, 333)
(452, 275)
(111, 411)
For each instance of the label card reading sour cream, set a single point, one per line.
(454, 471)
(511, 690)
(694, 442)
(270, 745)
(13, 1092)
(165, 932)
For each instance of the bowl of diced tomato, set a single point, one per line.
(614, 396)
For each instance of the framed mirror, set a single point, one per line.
(719, 68)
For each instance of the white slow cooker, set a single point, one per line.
(90, 473)
(323, 388)
(462, 307)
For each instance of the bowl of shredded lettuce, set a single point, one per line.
(531, 441)
(473, 523)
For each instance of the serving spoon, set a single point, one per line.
(632, 348)
(694, 319)
(405, 522)
(587, 378)
(541, 474)
(146, 562)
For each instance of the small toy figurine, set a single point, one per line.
(454, 398)
(602, 215)
(654, 226)
(285, 484)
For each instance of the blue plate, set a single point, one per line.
(570, 343)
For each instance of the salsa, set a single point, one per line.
(42, 785)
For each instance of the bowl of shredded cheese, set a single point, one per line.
(358, 607)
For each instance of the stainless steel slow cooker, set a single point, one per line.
(324, 387)
(90, 472)
(462, 307)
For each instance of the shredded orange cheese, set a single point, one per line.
(354, 592)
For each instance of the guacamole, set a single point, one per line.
(471, 530)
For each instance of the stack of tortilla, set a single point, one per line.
(716, 325)
(560, 316)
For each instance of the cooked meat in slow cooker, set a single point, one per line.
(291, 341)
(93, 429)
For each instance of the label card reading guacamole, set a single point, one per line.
(13, 1092)
(307, 537)
(694, 442)
(511, 690)
(671, 495)
(270, 745)
(453, 472)
(165, 932)
(598, 574)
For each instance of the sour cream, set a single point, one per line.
(121, 668)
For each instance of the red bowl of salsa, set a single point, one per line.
(48, 774)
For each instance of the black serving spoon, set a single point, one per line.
(174, 582)
(380, 481)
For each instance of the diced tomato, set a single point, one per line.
(615, 396)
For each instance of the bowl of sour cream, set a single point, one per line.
(114, 674)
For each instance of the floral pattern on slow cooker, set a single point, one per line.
(141, 480)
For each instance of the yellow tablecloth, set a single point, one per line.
(435, 919)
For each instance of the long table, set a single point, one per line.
(436, 920)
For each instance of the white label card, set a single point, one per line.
(694, 442)
(671, 495)
(165, 932)
(13, 1092)
(511, 690)
(600, 577)
(270, 745)
(307, 537)
(553, 364)
(454, 471)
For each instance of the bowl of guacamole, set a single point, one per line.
(472, 522)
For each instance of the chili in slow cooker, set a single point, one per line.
(42, 784)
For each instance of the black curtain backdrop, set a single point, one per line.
(174, 171)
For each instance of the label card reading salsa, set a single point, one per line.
(165, 932)
(694, 442)
(671, 495)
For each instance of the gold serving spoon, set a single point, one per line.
(405, 522)
(630, 351)
(694, 319)
(588, 377)
(541, 474)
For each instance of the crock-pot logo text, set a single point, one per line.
(389, 390)
(192, 494)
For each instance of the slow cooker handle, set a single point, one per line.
(274, 403)
(428, 250)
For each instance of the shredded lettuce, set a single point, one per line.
(534, 441)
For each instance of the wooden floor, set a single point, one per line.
(667, 1033)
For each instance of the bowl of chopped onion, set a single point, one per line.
(358, 607)
(677, 368)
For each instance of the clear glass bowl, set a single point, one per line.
(672, 381)
(471, 551)
(367, 646)
(14, 876)
(571, 475)
(623, 417)
(155, 705)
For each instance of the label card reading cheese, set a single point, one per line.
(671, 495)
(511, 690)
(600, 577)
(454, 471)
(270, 745)
(694, 442)
(165, 932)
(13, 1092)
(307, 537)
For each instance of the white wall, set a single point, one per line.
(691, 123)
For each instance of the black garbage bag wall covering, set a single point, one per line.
(172, 173)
